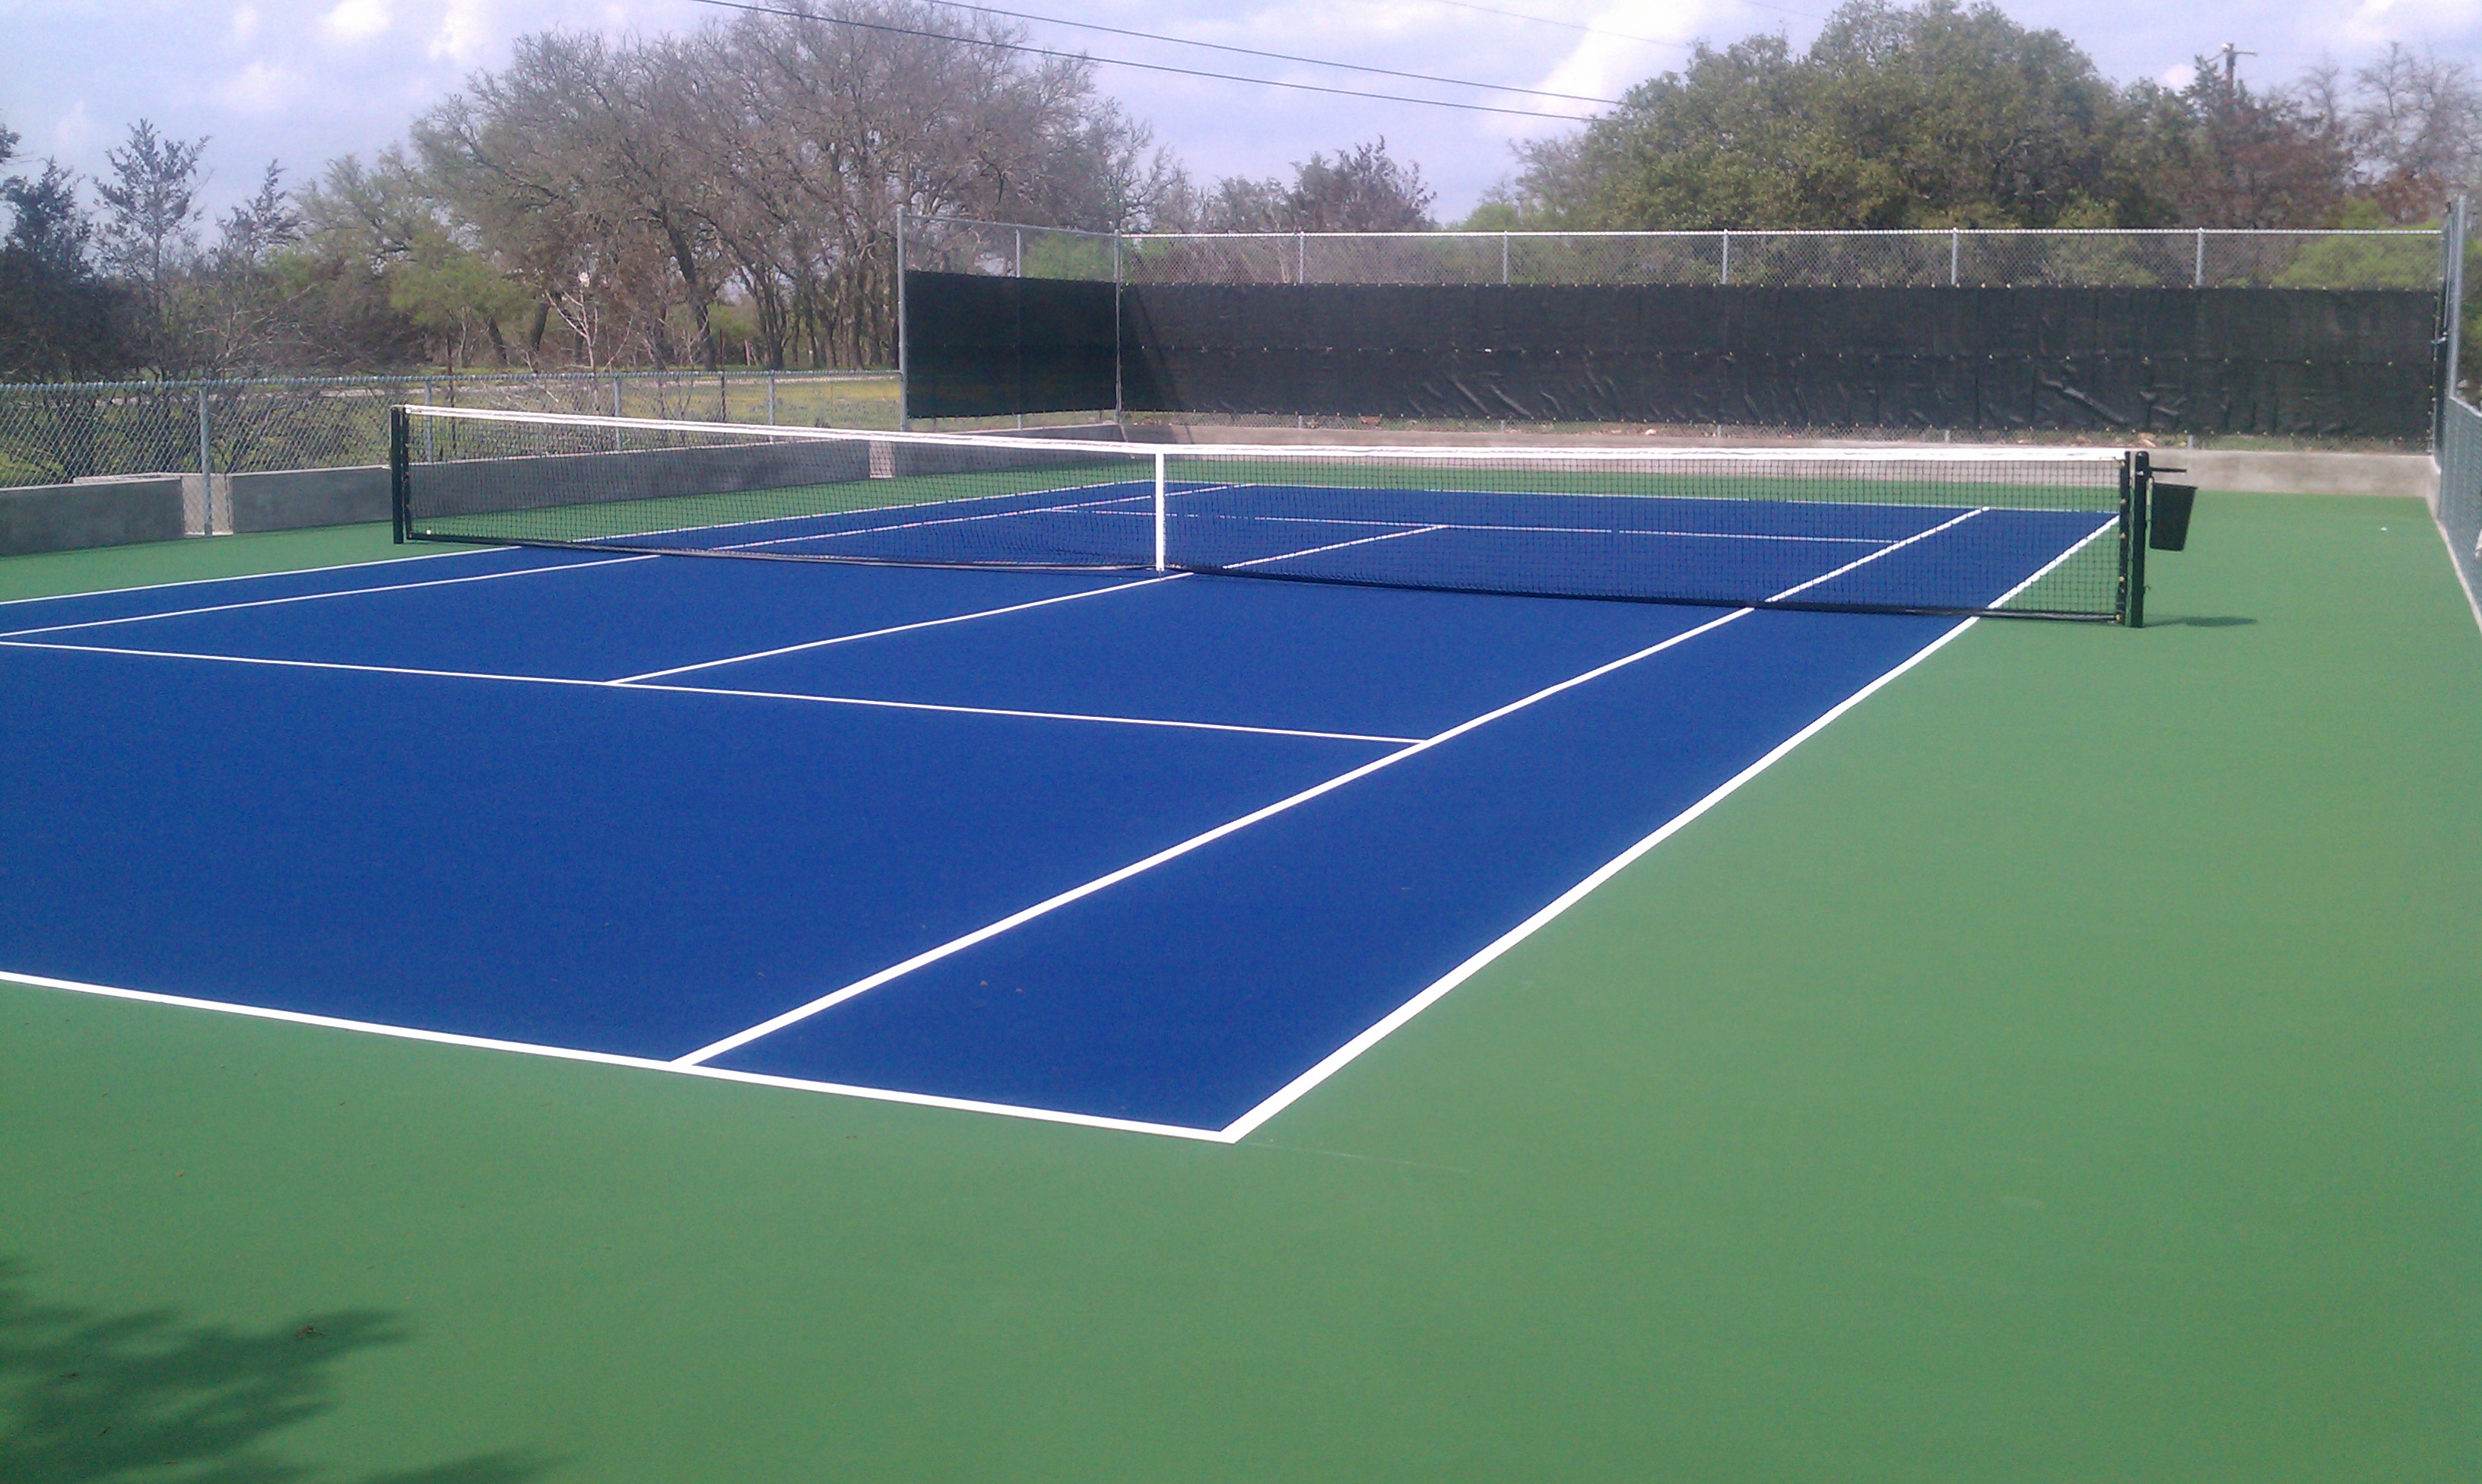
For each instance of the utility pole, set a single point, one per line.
(2233, 55)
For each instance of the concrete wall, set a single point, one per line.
(294, 498)
(500, 486)
(1082, 432)
(2304, 474)
(101, 513)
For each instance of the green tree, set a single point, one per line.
(357, 223)
(58, 318)
(1940, 115)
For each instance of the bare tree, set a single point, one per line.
(1364, 190)
(853, 123)
(2414, 122)
(254, 230)
(235, 313)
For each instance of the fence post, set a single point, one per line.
(1727, 259)
(1503, 260)
(1119, 398)
(2197, 275)
(206, 467)
(1955, 245)
(2451, 295)
(904, 380)
(771, 399)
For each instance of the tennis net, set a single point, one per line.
(2034, 531)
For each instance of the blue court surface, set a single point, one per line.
(1150, 852)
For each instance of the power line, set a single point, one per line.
(1565, 25)
(1120, 62)
(1249, 51)
(1622, 36)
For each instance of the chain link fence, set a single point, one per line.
(2369, 259)
(57, 433)
(2460, 488)
(999, 249)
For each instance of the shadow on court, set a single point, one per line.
(87, 1396)
(2224, 622)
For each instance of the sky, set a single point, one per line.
(303, 81)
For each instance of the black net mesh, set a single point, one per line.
(2018, 530)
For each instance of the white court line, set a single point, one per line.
(606, 1059)
(1336, 1061)
(1333, 546)
(1035, 716)
(902, 628)
(313, 597)
(246, 577)
(1918, 535)
(871, 702)
(1080, 893)
(2047, 568)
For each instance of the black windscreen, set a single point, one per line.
(988, 347)
(2277, 361)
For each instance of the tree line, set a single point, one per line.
(1950, 115)
(730, 195)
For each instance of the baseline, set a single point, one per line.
(10, 977)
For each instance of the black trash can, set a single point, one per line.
(2167, 523)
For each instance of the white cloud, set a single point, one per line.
(244, 25)
(2179, 75)
(261, 88)
(2377, 22)
(356, 20)
(465, 33)
(1607, 66)
(73, 131)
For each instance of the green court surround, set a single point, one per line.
(2060, 1069)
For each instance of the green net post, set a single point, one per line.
(397, 444)
(2136, 480)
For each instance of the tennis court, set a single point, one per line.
(1739, 1039)
(1157, 851)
